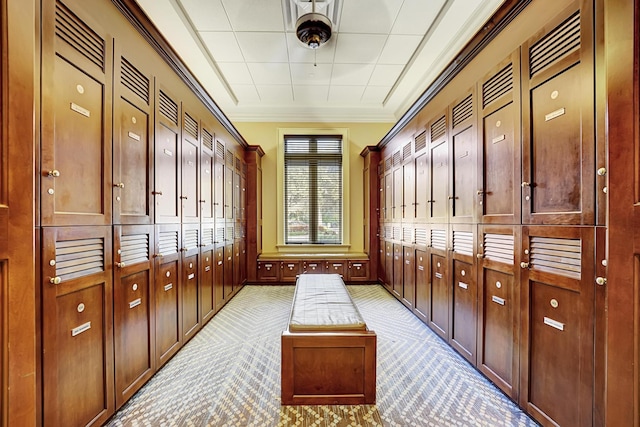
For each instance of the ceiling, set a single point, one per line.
(382, 54)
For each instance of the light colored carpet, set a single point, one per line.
(229, 374)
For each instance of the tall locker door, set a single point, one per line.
(382, 260)
(228, 185)
(77, 57)
(167, 159)
(409, 184)
(408, 276)
(398, 186)
(133, 309)
(381, 193)
(243, 261)
(439, 169)
(243, 193)
(462, 161)
(237, 190)
(189, 194)
(167, 292)
(132, 148)
(190, 280)
(237, 281)
(388, 190)
(228, 270)
(499, 159)
(207, 158)
(421, 307)
(388, 245)
(219, 277)
(439, 288)
(464, 291)
(218, 181)
(207, 272)
(77, 334)
(421, 170)
(397, 270)
(558, 130)
(499, 306)
(556, 360)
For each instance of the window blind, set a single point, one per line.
(313, 189)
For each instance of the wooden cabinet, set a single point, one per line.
(408, 276)
(313, 267)
(289, 270)
(439, 289)
(336, 267)
(219, 277)
(167, 158)
(398, 270)
(189, 192)
(207, 285)
(423, 295)
(190, 260)
(228, 271)
(439, 170)
(207, 159)
(268, 271)
(358, 270)
(462, 160)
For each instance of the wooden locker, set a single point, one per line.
(462, 160)
(499, 306)
(397, 187)
(228, 270)
(243, 259)
(382, 261)
(190, 259)
(228, 185)
(558, 103)
(207, 282)
(388, 190)
(439, 170)
(556, 360)
(397, 271)
(499, 158)
(237, 190)
(388, 264)
(408, 276)
(207, 159)
(167, 291)
(289, 270)
(132, 147)
(219, 277)
(237, 280)
(422, 174)
(358, 271)
(77, 55)
(381, 192)
(167, 159)
(313, 267)
(77, 336)
(439, 288)
(189, 191)
(464, 291)
(133, 309)
(423, 296)
(337, 267)
(409, 184)
(218, 182)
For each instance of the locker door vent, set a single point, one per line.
(421, 236)
(238, 165)
(207, 236)
(406, 151)
(421, 141)
(244, 169)
(229, 233)
(191, 126)
(229, 158)
(463, 242)
(397, 158)
(439, 239)
(438, 128)
(557, 256)
(497, 86)
(190, 239)
(559, 43)
(388, 233)
(238, 234)
(463, 111)
(168, 242)
(207, 139)
(380, 169)
(407, 234)
(499, 247)
(73, 31)
(168, 108)
(134, 80)
(397, 233)
(79, 258)
(220, 150)
(219, 234)
(134, 249)
(388, 163)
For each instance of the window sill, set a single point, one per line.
(314, 249)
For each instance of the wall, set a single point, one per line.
(266, 136)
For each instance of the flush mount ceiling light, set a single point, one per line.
(313, 29)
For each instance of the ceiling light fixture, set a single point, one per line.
(313, 29)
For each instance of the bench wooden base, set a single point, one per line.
(327, 368)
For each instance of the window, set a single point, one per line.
(313, 189)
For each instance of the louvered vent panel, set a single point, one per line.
(439, 128)
(397, 158)
(207, 236)
(463, 111)
(421, 236)
(238, 233)
(168, 108)
(219, 150)
(498, 247)
(397, 233)
(406, 151)
(388, 232)
(558, 256)
(407, 234)
(498, 85)
(229, 158)
(168, 242)
(559, 43)
(134, 80)
(439, 239)
(220, 234)
(79, 258)
(73, 31)
(238, 164)
(463, 242)
(228, 235)
(207, 139)
(388, 163)
(134, 249)
(190, 239)
(421, 141)
(244, 169)
(380, 169)
(191, 126)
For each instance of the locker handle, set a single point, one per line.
(524, 264)
(479, 192)
(480, 256)
(202, 201)
(184, 197)
(601, 281)
(525, 184)
(119, 185)
(54, 173)
(120, 264)
(157, 193)
(55, 280)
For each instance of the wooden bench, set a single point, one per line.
(328, 354)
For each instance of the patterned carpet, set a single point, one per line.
(229, 374)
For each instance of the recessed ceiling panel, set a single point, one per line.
(351, 74)
(416, 16)
(206, 15)
(270, 73)
(263, 47)
(346, 94)
(313, 94)
(235, 73)
(222, 46)
(398, 49)
(369, 16)
(246, 94)
(375, 94)
(255, 15)
(359, 48)
(308, 74)
(277, 94)
(385, 75)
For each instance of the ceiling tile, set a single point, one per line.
(299, 53)
(399, 49)
(315, 94)
(270, 73)
(359, 48)
(223, 46)
(375, 94)
(369, 16)
(275, 93)
(255, 15)
(206, 15)
(416, 16)
(351, 74)
(235, 72)
(346, 94)
(308, 74)
(245, 94)
(385, 75)
(263, 47)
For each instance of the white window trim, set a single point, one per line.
(297, 248)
